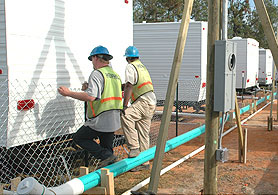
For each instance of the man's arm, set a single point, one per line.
(127, 93)
(83, 96)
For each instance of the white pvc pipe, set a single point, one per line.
(248, 97)
(146, 181)
(31, 186)
(184, 114)
(243, 121)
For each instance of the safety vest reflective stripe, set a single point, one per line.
(93, 111)
(132, 97)
(111, 98)
(143, 84)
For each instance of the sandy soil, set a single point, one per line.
(258, 176)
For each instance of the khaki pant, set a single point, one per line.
(136, 123)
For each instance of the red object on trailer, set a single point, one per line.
(25, 104)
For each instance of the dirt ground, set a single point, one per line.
(258, 176)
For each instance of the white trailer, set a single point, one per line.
(157, 42)
(247, 62)
(45, 44)
(265, 67)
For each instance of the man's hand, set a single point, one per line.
(64, 91)
(84, 86)
(123, 110)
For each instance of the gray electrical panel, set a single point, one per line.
(225, 76)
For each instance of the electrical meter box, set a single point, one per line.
(225, 76)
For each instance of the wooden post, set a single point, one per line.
(268, 30)
(212, 117)
(251, 108)
(240, 135)
(107, 181)
(231, 120)
(245, 146)
(14, 183)
(83, 171)
(1, 189)
(170, 95)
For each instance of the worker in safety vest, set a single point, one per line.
(103, 95)
(136, 119)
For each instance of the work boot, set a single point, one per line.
(133, 153)
(141, 168)
(108, 161)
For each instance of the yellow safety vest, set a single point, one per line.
(111, 96)
(144, 82)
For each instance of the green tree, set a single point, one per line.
(167, 10)
(255, 24)
(200, 10)
(238, 15)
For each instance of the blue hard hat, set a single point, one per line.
(131, 51)
(100, 50)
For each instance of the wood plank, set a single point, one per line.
(240, 134)
(14, 183)
(1, 189)
(96, 190)
(268, 30)
(107, 181)
(83, 171)
(245, 147)
(170, 95)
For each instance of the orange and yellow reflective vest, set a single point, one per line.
(111, 96)
(144, 82)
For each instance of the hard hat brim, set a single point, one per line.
(109, 57)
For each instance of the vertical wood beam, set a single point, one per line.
(240, 134)
(212, 117)
(170, 95)
(268, 30)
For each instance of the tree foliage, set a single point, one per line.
(243, 21)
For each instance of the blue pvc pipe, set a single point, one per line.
(93, 179)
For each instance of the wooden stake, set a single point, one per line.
(170, 95)
(83, 171)
(1, 189)
(212, 117)
(14, 183)
(269, 123)
(240, 135)
(107, 181)
(245, 146)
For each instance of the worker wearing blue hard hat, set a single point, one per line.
(136, 119)
(100, 50)
(103, 95)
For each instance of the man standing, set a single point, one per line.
(136, 119)
(103, 95)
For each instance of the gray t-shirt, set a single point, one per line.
(108, 121)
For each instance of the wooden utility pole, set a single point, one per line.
(212, 117)
(170, 95)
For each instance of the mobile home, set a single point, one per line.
(247, 62)
(265, 67)
(45, 44)
(157, 42)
